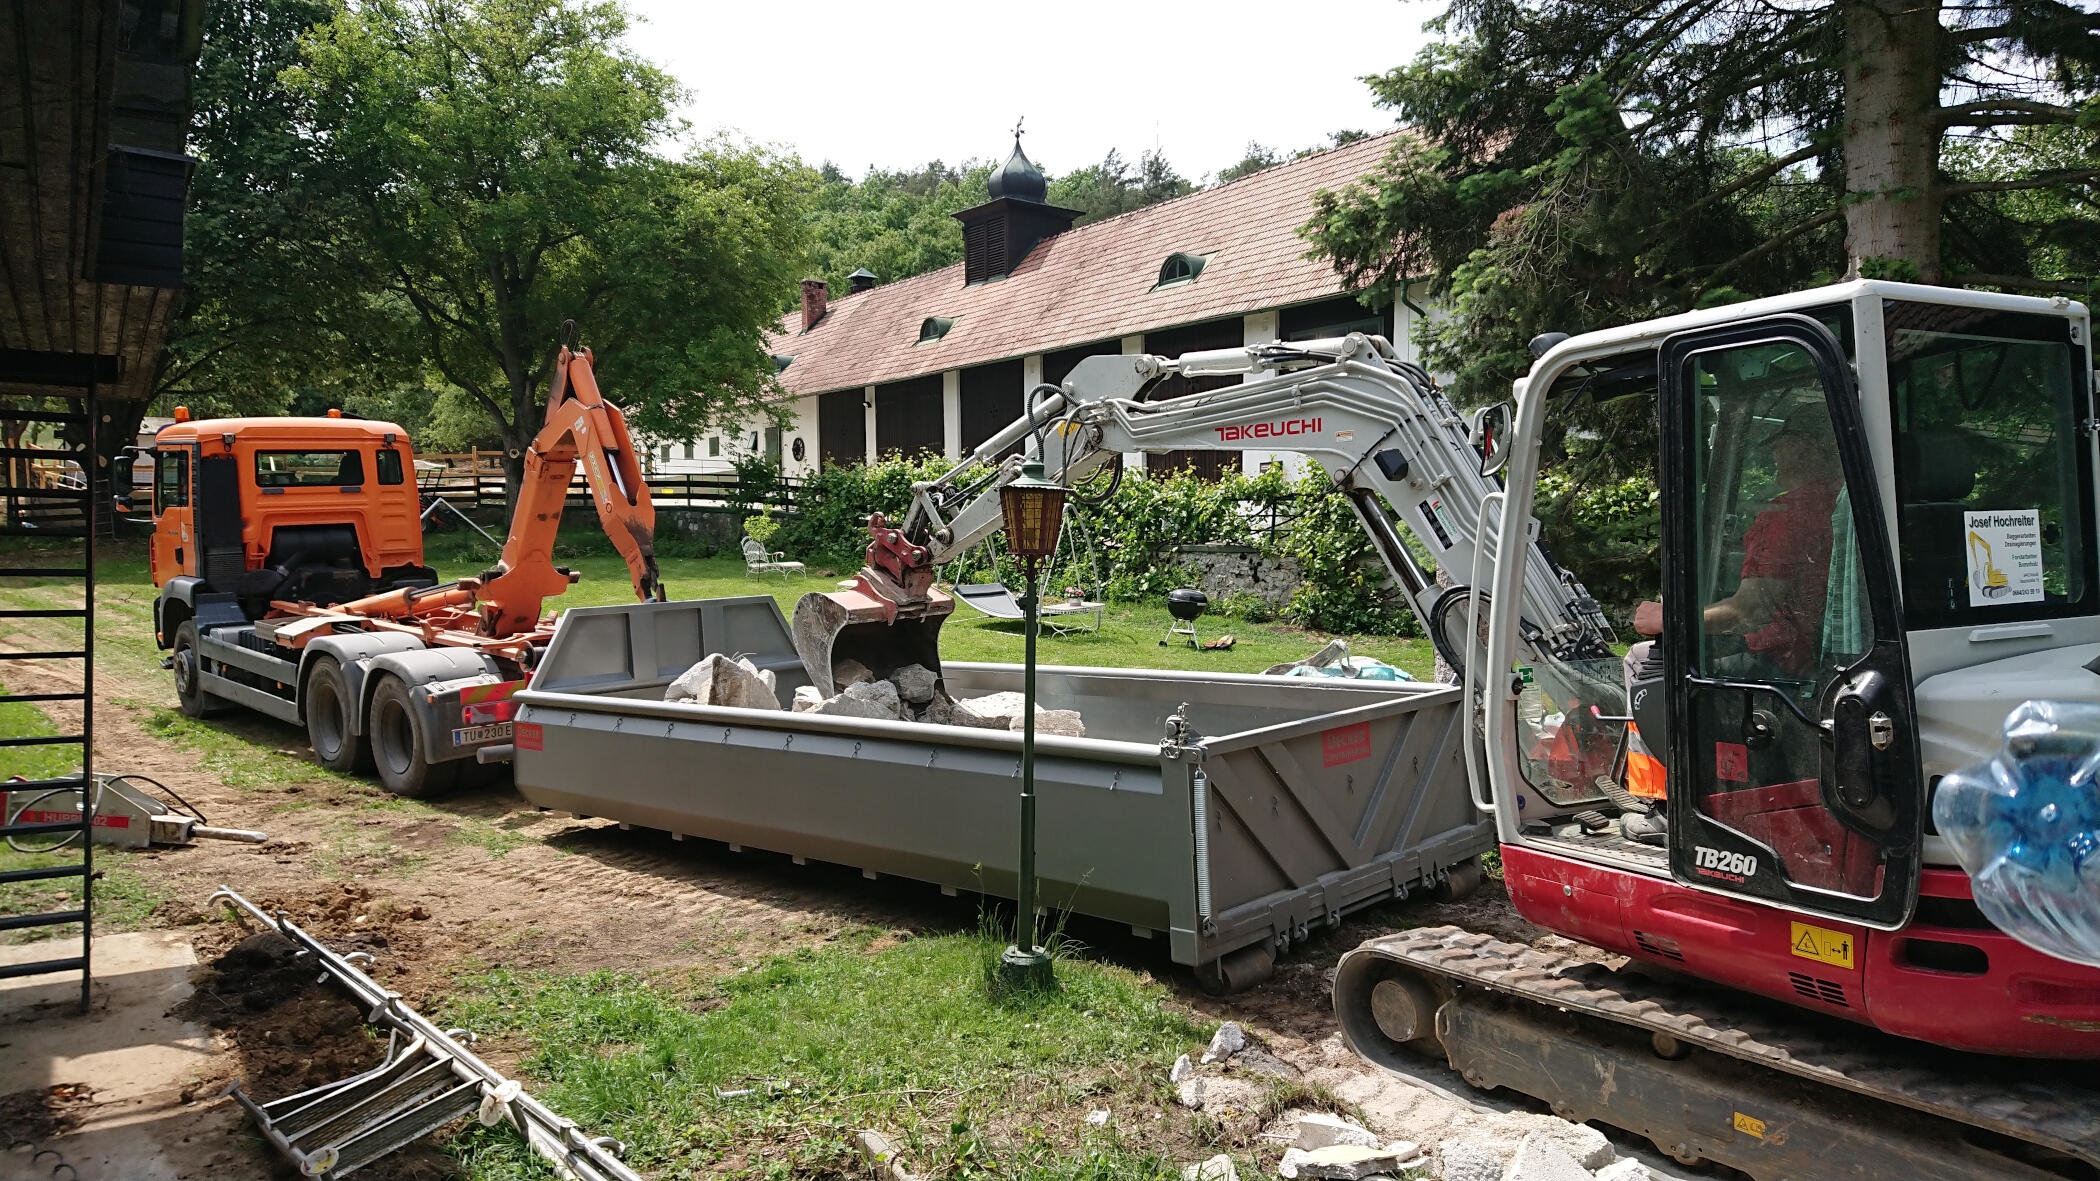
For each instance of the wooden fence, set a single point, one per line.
(475, 485)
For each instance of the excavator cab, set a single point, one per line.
(1878, 537)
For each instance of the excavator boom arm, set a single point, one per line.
(581, 427)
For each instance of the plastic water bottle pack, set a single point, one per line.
(2026, 827)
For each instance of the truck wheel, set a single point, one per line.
(190, 693)
(330, 722)
(396, 738)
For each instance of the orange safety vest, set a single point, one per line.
(1645, 776)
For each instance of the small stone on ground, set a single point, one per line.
(1098, 1118)
(1182, 1069)
(1628, 1169)
(1230, 1038)
(1190, 1093)
(1217, 1168)
(1348, 1162)
(1321, 1130)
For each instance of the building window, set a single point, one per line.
(688, 450)
(935, 327)
(714, 446)
(1179, 268)
(667, 452)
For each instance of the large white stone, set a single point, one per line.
(1002, 711)
(1182, 1069)
(864, 699)
(1348, 1162)
(1063, 722)
(1217, 1168)
(1468, 1160)
(1628, 1169)
(1321, 1130)
(1288, 1167)
(1539, 1158)
(718, 680)
(1229, 1040)
(914, 683)
(807, 698)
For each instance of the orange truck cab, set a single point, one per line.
(318, 510)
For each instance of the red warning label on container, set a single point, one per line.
(1732, 762)
(1345, 744)
(526, 736)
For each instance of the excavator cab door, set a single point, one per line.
(1793, 773)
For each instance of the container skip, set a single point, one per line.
(1234, 813)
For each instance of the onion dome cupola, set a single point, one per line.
(1000, 233)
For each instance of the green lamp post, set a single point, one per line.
(1034, 509)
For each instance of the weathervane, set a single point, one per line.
(1017, 128)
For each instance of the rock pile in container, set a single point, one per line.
(912, 693)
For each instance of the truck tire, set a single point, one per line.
(190, 693)
(331, 721)
(395, 735)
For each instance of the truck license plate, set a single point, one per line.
(476, 735)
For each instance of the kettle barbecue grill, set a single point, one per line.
(1185, 604)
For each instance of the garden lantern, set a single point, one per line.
(1034, 509)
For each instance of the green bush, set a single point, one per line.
(1248, 606)
(1124, 548)
(760, 528)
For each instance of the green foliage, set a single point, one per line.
(1111, 187)
(1123, 549)
(494, 168)
(1646, 161)
(761, 528)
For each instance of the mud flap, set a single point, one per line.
(852, 624)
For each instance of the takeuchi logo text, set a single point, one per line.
(1269, 430)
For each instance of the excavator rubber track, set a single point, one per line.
(1706, 1075)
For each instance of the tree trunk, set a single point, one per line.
(1892, 138)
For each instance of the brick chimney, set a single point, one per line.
(814, 300)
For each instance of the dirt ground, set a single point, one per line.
(482, 880)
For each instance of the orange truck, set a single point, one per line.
(288, 553)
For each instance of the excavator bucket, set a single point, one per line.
(860, 624)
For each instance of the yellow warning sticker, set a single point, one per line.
(1823, 945)
(1749, 1125)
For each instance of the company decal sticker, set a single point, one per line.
(526, 736)
(1345, 744)
(2005, 555)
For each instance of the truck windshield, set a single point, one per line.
(308, 469)
(1993, 473)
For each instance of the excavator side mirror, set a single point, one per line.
(1488, 431)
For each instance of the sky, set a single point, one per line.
(895, 85)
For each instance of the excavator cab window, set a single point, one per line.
(1993, 470)
(1792, 756)
(171, 480)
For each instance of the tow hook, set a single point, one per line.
(167, 662)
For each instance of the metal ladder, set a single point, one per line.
(49, 477)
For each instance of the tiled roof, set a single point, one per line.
(1089, 284)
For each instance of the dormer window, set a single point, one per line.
(935, 327)
(1180, 267)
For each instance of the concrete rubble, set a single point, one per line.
(1181, 1069)
(863, 699)
(1321, 1130)
(721, 680)
(1628, 1169)
(1217, 1168)
(913, 693)
(1348, 1162)
(1468, 1160)
(1229, 1040)
(1539, 1159)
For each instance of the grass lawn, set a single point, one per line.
(768, 1073)
(1129, 635)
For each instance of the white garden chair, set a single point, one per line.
(759, 562)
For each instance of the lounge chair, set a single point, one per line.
(995, 600)
(758, 562)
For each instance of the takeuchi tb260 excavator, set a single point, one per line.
(1785, 968)
(289, 557)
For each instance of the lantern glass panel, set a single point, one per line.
(1034, 516)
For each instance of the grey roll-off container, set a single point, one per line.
(1286, 803)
